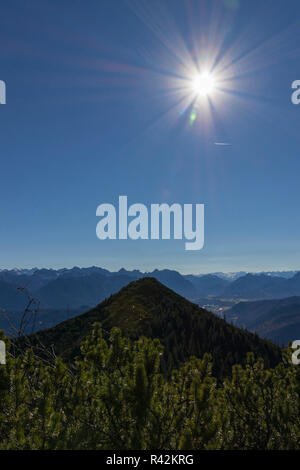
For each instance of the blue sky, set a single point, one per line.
(94, 111)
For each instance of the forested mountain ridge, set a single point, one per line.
(148, 308)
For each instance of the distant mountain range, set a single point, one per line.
(277, 319)
(148, 308)
(261, 286)
(77, 291)
(64, 293)
(72, 288)
(235, 275)
(11, 297)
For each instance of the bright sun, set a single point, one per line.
(203, 84)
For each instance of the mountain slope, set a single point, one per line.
(32, 281)
(261, 286)
(146, 307)
(253, 286)
(11, 297)
(175, 281)
(277, 319)
(77, 291)
(208, 284)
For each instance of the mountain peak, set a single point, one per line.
(148, 308)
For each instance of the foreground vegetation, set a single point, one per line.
(114, 397)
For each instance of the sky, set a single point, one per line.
(99, 104)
